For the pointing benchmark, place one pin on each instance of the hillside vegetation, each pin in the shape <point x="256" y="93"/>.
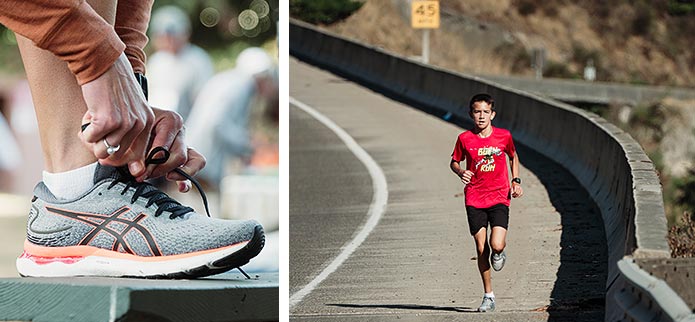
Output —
<point x="632" y="41"/>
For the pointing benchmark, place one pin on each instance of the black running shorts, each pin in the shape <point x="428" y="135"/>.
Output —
<point x="497" y="215"/>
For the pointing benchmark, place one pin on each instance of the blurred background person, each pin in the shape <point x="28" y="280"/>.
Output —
<point x="219" y="124"/>
<point x="178" y="69"/>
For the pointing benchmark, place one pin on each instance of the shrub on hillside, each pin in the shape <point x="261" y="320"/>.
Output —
<point x="681" y="7"/>
<point x="643" y="20"/>
<point x="323" y="11"/>
<point x="686" y="191"/>
<point x="681" y="237"/>
<point x="558" y="70"/>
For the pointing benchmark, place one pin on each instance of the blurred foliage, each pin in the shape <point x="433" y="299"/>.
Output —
<point x="225" y="38"/>
<point x="515" y="53"/>
<point x="556" y="69"/>
<point x="644" y="18"/>
<point x="526" y="7"/>
<point x="649" y="116"/>
<point x="323" y="11"/>
<point x="685" y="196"/>
<point x="681" y="237"/>
<point x="681" y="7"/>
<point x="10" y="61"/>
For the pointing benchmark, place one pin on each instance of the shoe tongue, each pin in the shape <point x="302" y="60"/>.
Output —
<point x="103" y="172"/>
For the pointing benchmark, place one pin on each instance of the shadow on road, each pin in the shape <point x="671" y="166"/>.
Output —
<point x="581" y="278"/>
<point x="408" y="307"/>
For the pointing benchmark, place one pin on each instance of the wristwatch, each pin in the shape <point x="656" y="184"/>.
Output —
<point x="517" y="180"/>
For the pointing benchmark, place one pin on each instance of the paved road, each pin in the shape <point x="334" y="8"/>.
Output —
<point x="418" y="263"/>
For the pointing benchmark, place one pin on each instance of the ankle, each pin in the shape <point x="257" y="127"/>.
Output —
<point x="70" y="184"/>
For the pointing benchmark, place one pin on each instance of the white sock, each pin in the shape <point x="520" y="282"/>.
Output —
<point x="490" y="295"/>
<point x="70" y="184"/>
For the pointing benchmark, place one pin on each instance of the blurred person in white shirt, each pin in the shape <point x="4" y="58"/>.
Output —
<point x="178" y="69"/>
<point x="218" y="126"/>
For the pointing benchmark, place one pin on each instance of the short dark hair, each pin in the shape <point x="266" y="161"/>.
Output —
<point x="482" y="97"/>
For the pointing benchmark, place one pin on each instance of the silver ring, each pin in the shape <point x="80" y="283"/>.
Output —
<point x="111" y="149"/>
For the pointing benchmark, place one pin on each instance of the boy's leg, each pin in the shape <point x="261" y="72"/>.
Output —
<point x="483" y="252"/>
<point x="498" y="239"/>
<point x="499" y="221"/>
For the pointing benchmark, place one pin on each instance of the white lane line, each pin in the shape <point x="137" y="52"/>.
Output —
<point x="376" y="208"/>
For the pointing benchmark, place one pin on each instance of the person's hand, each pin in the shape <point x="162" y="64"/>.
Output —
<point x="118" y="115"/>
<point x="517" y="191"/>
<point x="168" y="132"/>
<point x="466" y="176"/>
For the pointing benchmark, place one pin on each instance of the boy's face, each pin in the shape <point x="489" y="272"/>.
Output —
<point x="482" y="114"/>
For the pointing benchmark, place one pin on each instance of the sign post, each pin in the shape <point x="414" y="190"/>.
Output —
<point x="425" y="15"/>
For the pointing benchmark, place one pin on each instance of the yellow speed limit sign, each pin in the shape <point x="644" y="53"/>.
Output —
<point x="425" y="14"/>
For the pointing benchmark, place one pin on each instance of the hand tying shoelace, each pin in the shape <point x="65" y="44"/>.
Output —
<point x="155" y="196"/>
<point x="152" y="160"/>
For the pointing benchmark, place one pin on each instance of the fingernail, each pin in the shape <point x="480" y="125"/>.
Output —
<point x="135" y="168"/>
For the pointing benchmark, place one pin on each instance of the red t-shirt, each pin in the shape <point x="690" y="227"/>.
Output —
<point x="489" y="185"/>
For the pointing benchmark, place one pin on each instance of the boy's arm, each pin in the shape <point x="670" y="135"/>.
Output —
<point x="465" y="175"/>
<point x="517" y="191"/>
<point x="456" y="167"/>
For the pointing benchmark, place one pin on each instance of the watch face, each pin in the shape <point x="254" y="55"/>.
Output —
<point x="517" y="180"/>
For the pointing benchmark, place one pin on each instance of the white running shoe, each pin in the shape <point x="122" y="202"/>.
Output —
<point x="488" y="304"/>
<point x="498" y="261"/>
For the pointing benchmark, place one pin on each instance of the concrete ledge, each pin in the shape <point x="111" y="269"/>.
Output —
<point x="678" y="273"/>
<point x="607" y="161"/>
<point x="224" y="297"/>
<point x="646" y="298"/>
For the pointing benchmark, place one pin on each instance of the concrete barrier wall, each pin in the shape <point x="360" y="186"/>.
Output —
<point x="607" y="161"/>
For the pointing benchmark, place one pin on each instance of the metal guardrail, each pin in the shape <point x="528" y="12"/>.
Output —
<point x="647" y="298"/>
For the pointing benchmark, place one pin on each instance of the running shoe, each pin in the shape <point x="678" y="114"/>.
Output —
<point x="498" y="261"/>
<point x="124" y="228"/>
<point x="488" y="304"/>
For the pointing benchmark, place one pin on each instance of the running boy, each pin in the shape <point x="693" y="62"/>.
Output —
<point x="488" y="191"/>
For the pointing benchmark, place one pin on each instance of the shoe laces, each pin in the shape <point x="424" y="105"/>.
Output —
<point x="154" y="195"/>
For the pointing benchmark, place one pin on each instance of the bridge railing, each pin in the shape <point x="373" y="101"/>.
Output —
<point x="607" y="161"/>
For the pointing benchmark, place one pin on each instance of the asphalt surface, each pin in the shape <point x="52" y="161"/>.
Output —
<point x="419" y="261"/>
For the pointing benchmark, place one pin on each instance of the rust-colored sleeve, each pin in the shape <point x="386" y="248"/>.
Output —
<point x="132" y="19"/>
<point x="70" y="29"/>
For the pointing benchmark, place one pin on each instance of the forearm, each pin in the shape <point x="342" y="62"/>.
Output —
<point x="132" y="19"/>
<point x="514" y="162"/>
<point x="455" y="167"/>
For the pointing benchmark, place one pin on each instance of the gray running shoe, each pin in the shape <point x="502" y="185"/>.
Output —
<point x="488" y="304"/>
<point x="498" y="261"/>
<point x="124" y="228"/>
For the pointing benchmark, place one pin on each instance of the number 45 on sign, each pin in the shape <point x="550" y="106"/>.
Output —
<point x="425" y="14"/>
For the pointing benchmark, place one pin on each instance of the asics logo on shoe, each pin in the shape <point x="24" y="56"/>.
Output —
<point x="118" y="224"/>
